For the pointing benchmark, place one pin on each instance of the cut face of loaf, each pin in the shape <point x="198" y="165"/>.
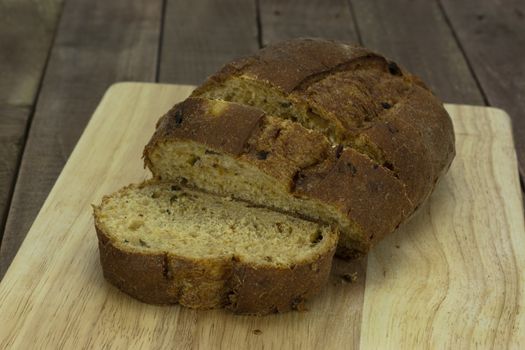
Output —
<point x="318" y="128"/>
<point x="163" y="243"/>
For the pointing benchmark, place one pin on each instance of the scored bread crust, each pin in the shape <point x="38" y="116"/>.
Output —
<point x="288" y="64"/>
<point x="293" y="66"/>
<point x="242" y="287"/>
<point x="414" y="136"/>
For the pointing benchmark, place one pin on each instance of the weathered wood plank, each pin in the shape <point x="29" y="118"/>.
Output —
<point x="12" y="126"/>
<point x="97" y="43"/>
<point x="281" y="20"/>
<point x="416" y="34"/>
<point x="492" y="34"/>
<point x="26" y="32"/>
<point x="199" y="37"/>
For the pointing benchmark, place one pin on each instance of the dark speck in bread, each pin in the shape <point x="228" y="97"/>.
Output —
<point x="262" y="155"/>
<point x="178" y="118"/>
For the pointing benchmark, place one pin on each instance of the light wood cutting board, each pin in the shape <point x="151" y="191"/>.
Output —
<point x="453" y="277"/>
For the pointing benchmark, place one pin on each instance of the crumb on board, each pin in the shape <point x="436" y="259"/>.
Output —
<point x="257" y="331"/>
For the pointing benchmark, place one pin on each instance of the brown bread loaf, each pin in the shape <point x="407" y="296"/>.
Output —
<point x="265" y="168"/>
<point x="314" y="128"/>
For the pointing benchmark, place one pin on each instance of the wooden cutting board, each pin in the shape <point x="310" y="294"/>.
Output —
<point x="453" y="277"/>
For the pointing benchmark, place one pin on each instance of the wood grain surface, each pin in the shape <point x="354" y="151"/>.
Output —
<point x="98" y="43"/>
<point x="13" y="122"/>
<point x="450" y="278"/>
<point x="201" y="36"/>
<point x="283" y="20"/>
<point x="26" y="32"/>
<point x="27" y="29"/>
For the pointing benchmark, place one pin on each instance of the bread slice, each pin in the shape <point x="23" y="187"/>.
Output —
<point x="330" y="131"/>
<point x="163" y="243"/>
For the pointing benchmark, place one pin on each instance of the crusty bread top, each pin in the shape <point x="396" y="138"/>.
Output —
<point x="289" y="64"/>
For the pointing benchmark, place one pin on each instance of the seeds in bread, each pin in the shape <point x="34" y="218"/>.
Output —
<point x="162" y="243"/>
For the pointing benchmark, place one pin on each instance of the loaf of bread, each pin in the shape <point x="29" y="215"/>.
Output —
<point x="265" y="169"/>
<point x="162" y="243"/>
<point x="313" y="128"/>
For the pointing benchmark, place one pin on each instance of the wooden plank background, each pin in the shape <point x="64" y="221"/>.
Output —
<point x="27" y="29"/>
<point x="57" y="57"/>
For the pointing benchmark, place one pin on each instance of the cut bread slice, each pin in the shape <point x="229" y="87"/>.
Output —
<point x="163" y="243"/>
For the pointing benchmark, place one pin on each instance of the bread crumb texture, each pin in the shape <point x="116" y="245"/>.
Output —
<point x="195" y="225"/>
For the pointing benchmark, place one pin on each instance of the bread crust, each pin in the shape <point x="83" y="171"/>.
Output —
<point x="244" y="288"/>
<point x="210" y="124"/>
<point x="288" y="64"/>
